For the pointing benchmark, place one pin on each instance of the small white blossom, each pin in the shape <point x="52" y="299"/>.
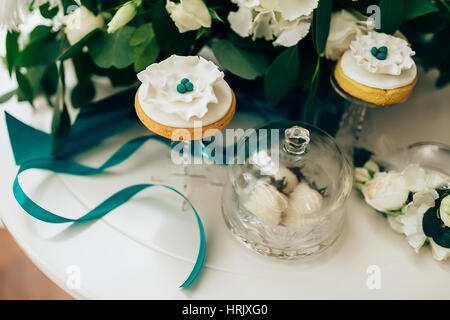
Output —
<point x="189" y="15"/>
<point x="79" y="23"/>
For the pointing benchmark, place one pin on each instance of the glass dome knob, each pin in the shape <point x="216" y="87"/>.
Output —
<point x="296" y="140"/>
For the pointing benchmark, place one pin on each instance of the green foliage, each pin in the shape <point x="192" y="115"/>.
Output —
<point x="282" y="75"/>
<point x="25" y="87"/>
<point x="241" y="62"/>
<point x="321" y="26"/>
<point x="12" y="50"/>
<point x="112" y="50"/>
<point x="146" y="48"/>
<point x="392" y="15"/>
<point x="418" y="8"/>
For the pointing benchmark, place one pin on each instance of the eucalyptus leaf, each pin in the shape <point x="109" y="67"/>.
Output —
<point x="12" y="49"/>
<point x="145" y="54"/>
<point x="392" y="15"/>
<point x="322" y="18"/>
<point x="282" y="75"/>
<point x="143" y="34"/>
<point x="5" y="97"/>
<point x="25" y="86"/>
<point x="418" y="8"/>
<point x="241" y="62"/>
<point x="112" y="50"/>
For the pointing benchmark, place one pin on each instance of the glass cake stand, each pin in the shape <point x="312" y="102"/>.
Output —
<point x="351" y="124"/>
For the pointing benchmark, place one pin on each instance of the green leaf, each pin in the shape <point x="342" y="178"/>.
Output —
<point x="145" y="55"/>
<point x="7" y="96"/>
<point x="143" y="34"/>
<point x="169" y="39"/>
<point x="392" y="14"/>
<point x="418" y="8"/>
<point x="48" y="13"/>
<point x="77" y="47"/>
<point x="92" y="5"/>
<point x="112" y="50"/>
<point x="40" y="38"/>
<point x="12" y="49"/>
<point x="82" y="94"/>
<point x="49" y="81"/>
<point x="243" y="63"/>
<point x="282" y="75"/>
<point x="61" y="120"/>
<point x="25" y="86"/>
<point x="322" y="18"/>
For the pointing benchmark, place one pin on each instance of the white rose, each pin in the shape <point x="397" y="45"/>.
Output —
<point x="386" y="191"/>
<point x="189" y="14"/>
<point x="444" y="210"/>
<point x="266" y="202"/>
<point x="343" y="30"/>
<point x="304" y="203"/>
<point x="80" y="22"/>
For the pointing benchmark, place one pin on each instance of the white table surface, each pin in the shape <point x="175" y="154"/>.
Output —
<point x="146" y="248"/>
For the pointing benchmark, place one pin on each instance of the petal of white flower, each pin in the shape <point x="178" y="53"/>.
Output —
<point x="395" y="224"/>
<point x="439" y="253"/>
<point x="12" y="13"/>
<point x="292" y="9"/>
<point x="241" y="21"/>
<point x="290" y="37"/>
<point x="197" y="9"/>
<point x="412" y="220"/>
<point x="261" y="26"/>
<point x="418" y="179"/>
<point x="247" y="3"/>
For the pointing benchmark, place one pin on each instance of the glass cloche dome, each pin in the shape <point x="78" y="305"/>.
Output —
<point x="288" y="185"/>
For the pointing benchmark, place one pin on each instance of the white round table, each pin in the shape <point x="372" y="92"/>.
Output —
<point x="146" y="248"/>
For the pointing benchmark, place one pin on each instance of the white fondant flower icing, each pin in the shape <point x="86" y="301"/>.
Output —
<point x="160" y="80"/>
<point x="398" y="57"/>
<point x="284" y="21"/>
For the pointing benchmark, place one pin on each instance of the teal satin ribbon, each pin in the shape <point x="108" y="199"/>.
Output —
<point x="116" y="200"/>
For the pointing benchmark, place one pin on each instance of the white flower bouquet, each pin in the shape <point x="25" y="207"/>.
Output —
<point x="288" y="43"/>
<point x="416" y="203"/>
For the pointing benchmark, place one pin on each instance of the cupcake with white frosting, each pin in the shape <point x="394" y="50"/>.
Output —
<point x="378" y="68"/>
<point x="184" y="92"/>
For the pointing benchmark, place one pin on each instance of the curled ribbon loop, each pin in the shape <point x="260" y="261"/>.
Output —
<point x="114" y="201"/>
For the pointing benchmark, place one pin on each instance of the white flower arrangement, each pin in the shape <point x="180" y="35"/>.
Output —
<point x="285" y="22"/>
<point x="416" y="203"/>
